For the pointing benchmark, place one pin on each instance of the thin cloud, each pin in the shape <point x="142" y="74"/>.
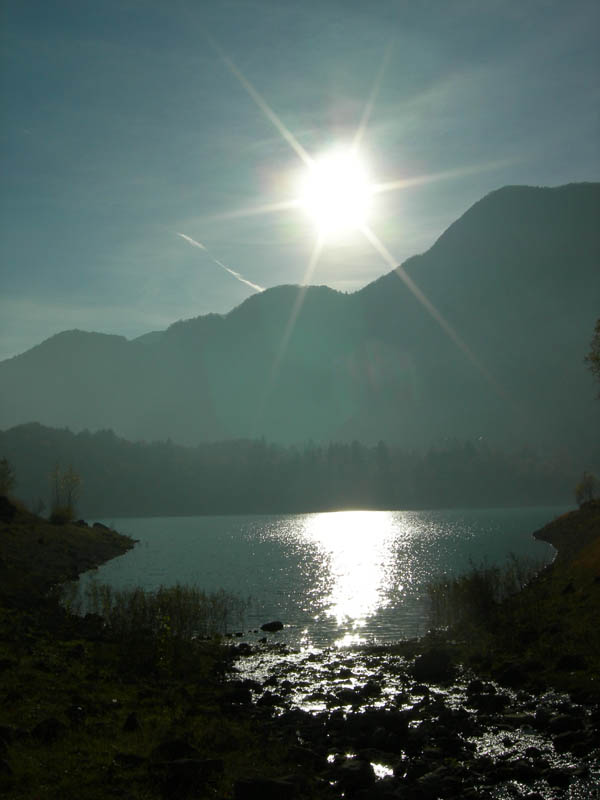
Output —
<point x="216" y="261"/>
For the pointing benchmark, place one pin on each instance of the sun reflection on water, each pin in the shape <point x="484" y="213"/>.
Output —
<point x="356" y="548"/>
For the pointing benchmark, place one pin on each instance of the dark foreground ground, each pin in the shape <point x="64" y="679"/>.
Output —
<point x="508" y="708"/>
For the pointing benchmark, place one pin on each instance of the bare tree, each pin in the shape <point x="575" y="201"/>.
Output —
<point x="66" y="486"/>
<point x="593" y="357"/>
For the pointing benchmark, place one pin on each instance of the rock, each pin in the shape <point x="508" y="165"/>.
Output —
<point x="7" y="733"/>
<point x="441" y="782"/>
<point x="76" y="714"/>
<point x="186" y="777"/>
<point x="270" y="699"/>
<point x="353" y="775"/>
<point x="5" y="768"/>
<point x="348" y="697"/>
<point x="100" y="526"/>
<point x="571" y="662"/>
<point x="518" y="719"/>
<point x="237" y="694"/>
<point x="265" y="789"/>
<point x="565" y="723"/>
<point x="173" y="750"/>
<point x="489" y="703"/>
<point x="370" y="689"/>
<point x="128" y="760"/>
<point x="512" y="675"/>
<point x="477" y="687"/>
<point x="77" y="651"/>
<point x="305" y="757"/>
<point x="434" y="666"/>
<point x="569" y="740"/>
<point x="271" y="627"/>
<point x="523" y="770"/>
<point x="557" y="777"/>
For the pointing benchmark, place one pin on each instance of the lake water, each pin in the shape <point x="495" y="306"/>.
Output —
<point x="344" y="577"/>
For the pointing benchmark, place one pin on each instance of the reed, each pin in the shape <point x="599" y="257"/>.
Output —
<point x="165" y="628"/>
<point x="475" y="597"/>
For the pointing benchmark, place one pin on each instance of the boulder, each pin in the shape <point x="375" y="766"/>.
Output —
<point x="271" y="627"/>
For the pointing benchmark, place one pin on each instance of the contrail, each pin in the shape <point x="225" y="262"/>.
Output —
<point x="235" y="274"/>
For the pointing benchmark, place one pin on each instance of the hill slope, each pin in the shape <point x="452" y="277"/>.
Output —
<point x="516" y="277"/>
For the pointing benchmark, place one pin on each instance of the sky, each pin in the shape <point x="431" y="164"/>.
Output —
<point x="151" y="151"/>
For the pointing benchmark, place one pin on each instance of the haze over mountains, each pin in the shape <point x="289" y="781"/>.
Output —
<point x="517" y="277"/>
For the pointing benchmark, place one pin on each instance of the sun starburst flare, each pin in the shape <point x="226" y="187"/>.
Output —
<point x="336" y="192"/>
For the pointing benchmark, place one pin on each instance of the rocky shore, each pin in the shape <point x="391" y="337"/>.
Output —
<point x="399" y="724"/>
<point x="504" y="713"/>
<point x="510" y="712"/>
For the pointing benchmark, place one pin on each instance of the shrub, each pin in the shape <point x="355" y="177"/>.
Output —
<point x="61" y="515"/>
<point x="66" y="485"/>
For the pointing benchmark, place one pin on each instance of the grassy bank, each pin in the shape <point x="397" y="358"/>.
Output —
<point x="36" y="555"/>
<point x="539" y="631"/>
<point x="132" y="709"/>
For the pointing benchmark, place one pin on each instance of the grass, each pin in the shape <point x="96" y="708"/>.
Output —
<point x="475" y="598"/>
<point x="35" y="555"/>
<point x="543" y="628"/>
<point x="88" y="705"/>
<point x="79" y="681"/>
<point x="162" y="629"/>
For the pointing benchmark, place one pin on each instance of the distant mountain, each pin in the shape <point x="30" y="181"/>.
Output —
<point x="517" y="278"/>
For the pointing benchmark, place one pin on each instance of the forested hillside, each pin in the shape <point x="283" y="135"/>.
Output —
<point x="120" y="478"/>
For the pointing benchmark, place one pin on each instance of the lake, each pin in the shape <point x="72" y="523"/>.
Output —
<point x="343" y="578"/>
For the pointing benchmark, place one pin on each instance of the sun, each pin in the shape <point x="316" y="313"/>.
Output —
<point x="336" y="192"/>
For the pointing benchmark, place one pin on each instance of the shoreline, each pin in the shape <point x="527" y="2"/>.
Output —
<point x="84" y="709"/>
<point x="35" y="555"/>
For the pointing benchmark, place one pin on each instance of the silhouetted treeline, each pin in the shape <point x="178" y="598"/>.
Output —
<point x="121" y="478"/>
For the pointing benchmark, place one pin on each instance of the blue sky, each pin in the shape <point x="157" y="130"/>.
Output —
<point x="124" y="126"/>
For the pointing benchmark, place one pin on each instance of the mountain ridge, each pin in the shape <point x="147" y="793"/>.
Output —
<point x="516" y="277"/>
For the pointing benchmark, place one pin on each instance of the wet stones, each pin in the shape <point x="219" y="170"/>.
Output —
<point x="425" y="738"/>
